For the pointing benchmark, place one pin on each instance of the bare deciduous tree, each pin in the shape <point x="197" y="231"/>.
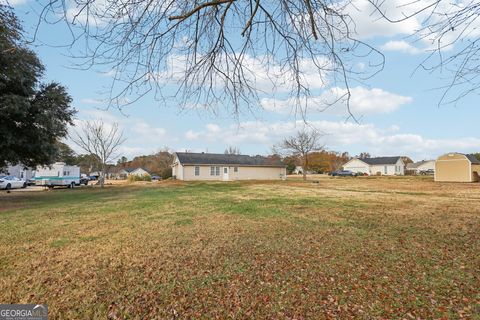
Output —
<point x="450" y="32"/>
<point x="301" y="145"/>
<point x="100" y="140"/>
<point x="220" y="53"/>
<point x="232" y="150"/>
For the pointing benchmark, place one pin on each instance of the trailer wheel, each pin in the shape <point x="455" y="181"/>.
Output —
<point x="8" y="187"/>
<point x="24" y="185"/>
<point x="72" y="185"/>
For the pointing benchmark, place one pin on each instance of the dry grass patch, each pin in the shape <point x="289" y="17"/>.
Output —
<point x="342" y="248"/>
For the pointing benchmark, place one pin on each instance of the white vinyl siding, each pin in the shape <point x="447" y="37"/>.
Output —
<point x="244" y="173"/>
<point x="357" y="165"/>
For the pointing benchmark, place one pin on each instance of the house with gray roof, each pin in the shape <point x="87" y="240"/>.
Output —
<point x="124" y="173"/>
<point x="385" y="166"/>
<point x="191" y="166"/>
<point x="421" y="166"/>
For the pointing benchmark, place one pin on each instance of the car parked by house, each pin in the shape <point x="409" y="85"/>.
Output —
<point x="428" y="172"/>
<point x="343" y="173"/>
<point x="12" y="182"/>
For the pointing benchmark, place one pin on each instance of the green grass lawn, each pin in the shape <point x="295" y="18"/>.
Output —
<point x="340" y="248"/>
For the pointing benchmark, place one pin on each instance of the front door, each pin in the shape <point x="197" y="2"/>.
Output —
<point x="225" y="173"/>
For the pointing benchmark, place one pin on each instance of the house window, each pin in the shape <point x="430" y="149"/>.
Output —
<point x="217" y="171"/>
<point x="385" y="169"/>
<point x="235" y="169"/>
<point x="225" y="170"/>
<point x="212" y="171"/>
<point x="197" y="170"/>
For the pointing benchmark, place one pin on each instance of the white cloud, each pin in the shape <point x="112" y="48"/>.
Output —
<point x="213" y="128"/>
<point x="369" y="23"/>
<point x="93" y="101"/>
<point x="363" y="101"/>
<point x="401" y="46"/>
<point x="423" y="19"/>
<point x="262" y="72"/>
<point x="192" y="135"/>
<point x="91" y="13"/>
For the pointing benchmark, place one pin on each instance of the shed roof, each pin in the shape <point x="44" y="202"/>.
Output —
<point x="471" y="157"/>
<point x="227" y="159"/>
<point x="380" y="160"/>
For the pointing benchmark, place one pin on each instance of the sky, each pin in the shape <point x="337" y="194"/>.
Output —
<point x="398" y="109"/>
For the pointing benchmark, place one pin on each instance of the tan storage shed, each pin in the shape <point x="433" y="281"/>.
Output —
<point x="457" y="167"/>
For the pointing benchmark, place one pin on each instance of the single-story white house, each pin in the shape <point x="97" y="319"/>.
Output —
<point x="226" y="167"/>
<point x="299" y="170"/>
<point x="387" y="166"/>
<point x="19" y="171"/>
<point x="138" y="172"/>
<point x="125" y="172"/>
<point x="420" y="166"/>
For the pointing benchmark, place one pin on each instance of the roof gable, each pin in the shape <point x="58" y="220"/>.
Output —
<point x="226" y="159"/>
<point x="353" y="159"/>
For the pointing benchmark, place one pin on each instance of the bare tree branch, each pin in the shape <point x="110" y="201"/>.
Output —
<point x="216" y="54"/>
<point x="450" y="32"/>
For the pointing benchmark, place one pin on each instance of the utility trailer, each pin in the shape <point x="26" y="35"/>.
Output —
<point x="57" y="174"/>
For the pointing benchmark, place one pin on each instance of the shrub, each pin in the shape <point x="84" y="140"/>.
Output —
<point x="167" y="173"/>
<point x="145" y="177"/>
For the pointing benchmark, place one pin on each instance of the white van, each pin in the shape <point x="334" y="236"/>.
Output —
<point x="58" y="174"/>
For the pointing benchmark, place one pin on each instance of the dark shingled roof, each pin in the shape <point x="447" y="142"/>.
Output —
<point x="417" y="164"/>
<point x="472" y="158"/>
<point x="227" y="159"/>
<point x="380" y="160"/>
